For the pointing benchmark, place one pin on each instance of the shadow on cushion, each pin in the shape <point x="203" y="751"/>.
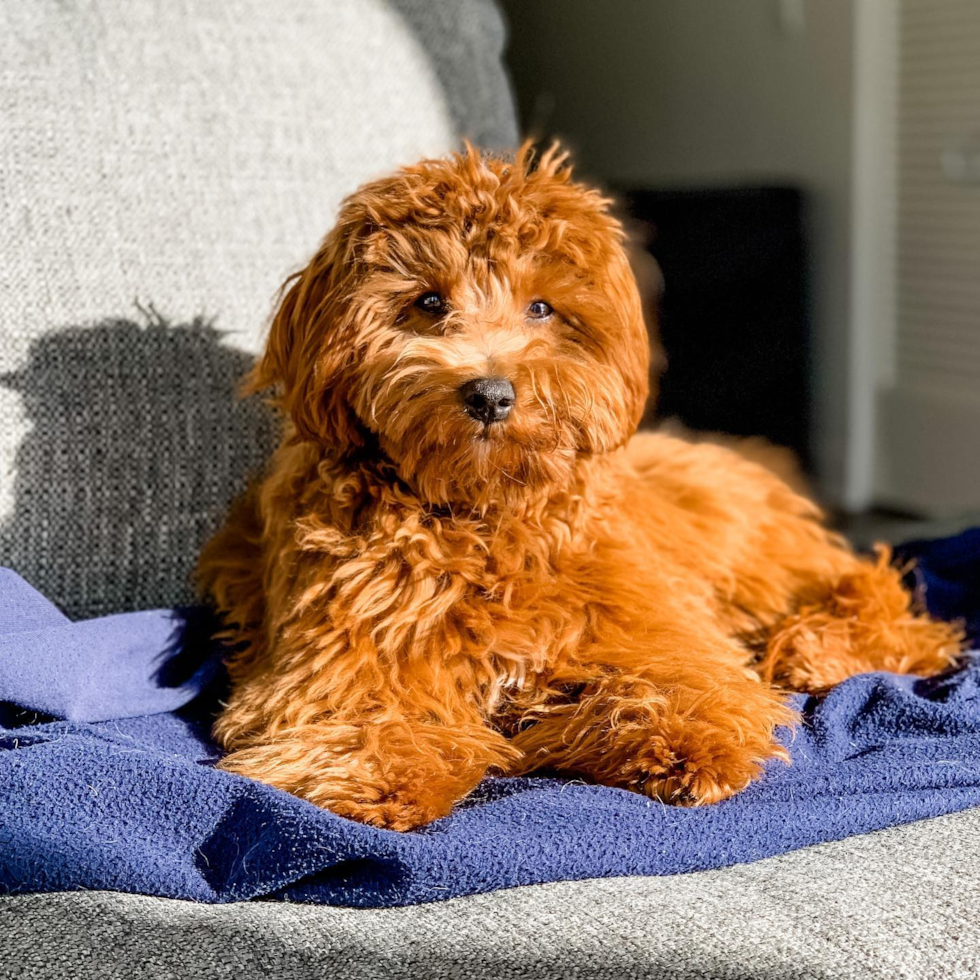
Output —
<point x="138" y="443"/>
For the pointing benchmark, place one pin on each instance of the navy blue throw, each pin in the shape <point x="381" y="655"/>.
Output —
<point x="107" y="777"/>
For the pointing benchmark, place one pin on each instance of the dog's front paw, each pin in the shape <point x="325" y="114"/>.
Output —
<point x="705" y="765"/>
<point x="704" y="759"/>
<point x="411" y="803"/>
<point x="399" y="811"/>
<point x="414" y="800"/>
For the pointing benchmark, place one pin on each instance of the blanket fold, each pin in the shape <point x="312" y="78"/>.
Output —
<point x="118" y="791"/>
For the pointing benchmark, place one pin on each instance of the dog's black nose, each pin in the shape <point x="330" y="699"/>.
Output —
<point x="488" y="399"/>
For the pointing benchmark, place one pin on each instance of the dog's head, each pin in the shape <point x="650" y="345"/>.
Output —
<point x="476" y="318"/>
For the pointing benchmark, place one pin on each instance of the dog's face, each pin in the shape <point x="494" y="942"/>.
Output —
<point x="477" y="318"/>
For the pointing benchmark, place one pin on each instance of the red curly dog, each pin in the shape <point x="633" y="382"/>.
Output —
<point x="462" y="559"/>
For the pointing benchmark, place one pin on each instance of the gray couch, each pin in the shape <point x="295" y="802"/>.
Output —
<point x="164" y="164"/>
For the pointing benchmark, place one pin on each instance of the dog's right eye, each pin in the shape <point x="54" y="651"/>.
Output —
<point x="431" y="303"/>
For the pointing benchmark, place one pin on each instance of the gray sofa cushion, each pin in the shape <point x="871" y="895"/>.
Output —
<point x="164" y="166"/>
<point x="900" y="903"/>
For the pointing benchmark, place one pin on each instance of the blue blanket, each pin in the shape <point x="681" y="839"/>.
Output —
<point x="107" y="778"/>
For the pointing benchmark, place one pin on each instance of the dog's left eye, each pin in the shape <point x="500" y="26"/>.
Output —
<point x="539" y="310"/>
<point x="431" y="303"/>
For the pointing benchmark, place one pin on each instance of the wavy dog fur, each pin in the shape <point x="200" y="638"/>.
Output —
<point x="419" y="597"/>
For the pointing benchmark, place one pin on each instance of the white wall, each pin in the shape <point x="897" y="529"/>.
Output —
<point x="694" y="92"/>
<point x="928" y="411"/>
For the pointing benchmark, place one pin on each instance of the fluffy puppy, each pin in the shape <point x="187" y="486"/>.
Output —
<point x="462" y="559"/>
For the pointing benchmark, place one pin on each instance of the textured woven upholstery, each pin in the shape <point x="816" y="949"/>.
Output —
<point x="164" y="164"/>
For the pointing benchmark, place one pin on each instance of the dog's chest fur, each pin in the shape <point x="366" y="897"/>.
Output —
<point x="502" y="600"/>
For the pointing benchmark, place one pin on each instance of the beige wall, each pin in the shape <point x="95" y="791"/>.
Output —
<point x="693" y="92"/>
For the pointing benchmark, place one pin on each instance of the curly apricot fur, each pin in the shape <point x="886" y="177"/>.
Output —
<point x="418" y="598"/>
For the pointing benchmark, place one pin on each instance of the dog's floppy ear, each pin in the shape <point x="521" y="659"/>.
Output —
<point x="308" y="351"/>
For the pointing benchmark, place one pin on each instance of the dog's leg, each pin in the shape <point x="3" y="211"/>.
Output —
<point x="690" y="727"/>
<point x="393" y="774"/>
<point x="391" y="746"/>
<point x="859" y="621"/>
<point x="813" y="611"/>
